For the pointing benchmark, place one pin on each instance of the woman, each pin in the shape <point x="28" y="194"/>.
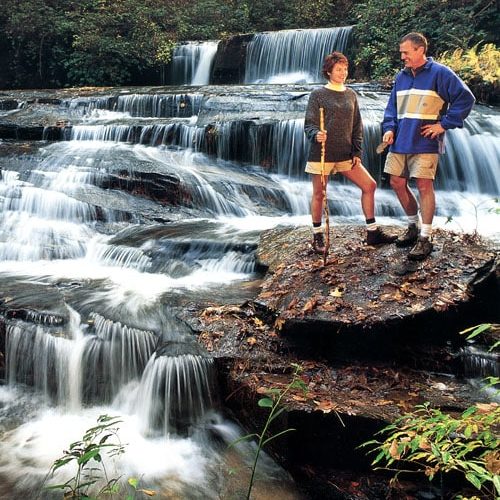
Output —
<point x="342" y="136"/>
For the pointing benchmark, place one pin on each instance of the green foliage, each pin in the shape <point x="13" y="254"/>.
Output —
<point x="476" y="66"/>
<point x="475" y="331"/>
<point x="435" y="442"/>
<point x="273" y="401"/>
<point x="448" y="23"/>
<point x="87" y="453"/>
<point x="112" y="42"/>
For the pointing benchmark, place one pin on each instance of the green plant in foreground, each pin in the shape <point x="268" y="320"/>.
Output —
<point x="477" y="330"/>
<point x="477" y="207"/>
<point x="87" y="453"/>
<point x="435" y="442"/>
<point x="273" y="401"/>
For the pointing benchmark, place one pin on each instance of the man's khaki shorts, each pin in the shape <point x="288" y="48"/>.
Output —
<point x="420" y="166"/>
<point x="314" y="167"/>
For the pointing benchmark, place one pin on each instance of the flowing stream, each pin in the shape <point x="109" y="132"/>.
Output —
<point x="99" y="272"/>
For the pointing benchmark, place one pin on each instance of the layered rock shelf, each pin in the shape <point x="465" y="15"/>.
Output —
<point x="373" y="335"/>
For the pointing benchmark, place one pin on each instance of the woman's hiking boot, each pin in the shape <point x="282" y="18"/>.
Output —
<point x="379" y="237"/>
<point x="318" y="243"/>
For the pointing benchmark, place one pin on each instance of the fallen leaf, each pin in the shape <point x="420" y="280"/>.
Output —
<point x="278" y="324"/>
<point x="149" y="493"/>
<point x="325" y="406"/>
<point x="336" y="292"/>
<point x="486" y="407"/>
<point x="310" y="305"/>
<point x="492" y="462"/>
<point x="258" y="323"/>
<point x="393" y="450"/>
<point x="418" y="292"/>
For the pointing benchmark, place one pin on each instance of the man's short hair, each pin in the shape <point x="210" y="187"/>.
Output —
<point x="331" y="60"/>
<point x="417" y="39"/>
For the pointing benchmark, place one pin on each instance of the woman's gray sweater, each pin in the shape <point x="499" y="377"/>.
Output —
<point x="342" y="123"/>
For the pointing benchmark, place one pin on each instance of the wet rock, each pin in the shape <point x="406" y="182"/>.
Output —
<point x="32" y="302"/>
<point x="373" y="300"/>
<point x="370" y="344"/>
<point x="229" y="63"/>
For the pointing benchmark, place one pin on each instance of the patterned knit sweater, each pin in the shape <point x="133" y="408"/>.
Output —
<point x="342" y="123"/>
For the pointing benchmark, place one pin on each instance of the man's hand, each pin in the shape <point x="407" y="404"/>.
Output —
<point x="321" y="136"/>
<point x="388" y="137"/>
<point x="432" y="131"/>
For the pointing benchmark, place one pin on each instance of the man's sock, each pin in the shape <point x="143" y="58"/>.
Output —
<point x="413" y="220"/>
<point x="426" y="230"/>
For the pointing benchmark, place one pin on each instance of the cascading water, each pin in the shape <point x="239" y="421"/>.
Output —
<point x="292" y="56"/>
<point x="191" y="63"/>
<point x="152" y="202"/>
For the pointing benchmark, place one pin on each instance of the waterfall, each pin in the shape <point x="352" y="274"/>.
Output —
<point x="176" y="390"/>
<point x="292" y="56"/>
<point x="178" y="105"/>
<point x="191" y="63"/>
<point x="148" y="206"/>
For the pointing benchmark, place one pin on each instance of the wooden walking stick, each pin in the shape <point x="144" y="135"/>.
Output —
<point x="323" y="185"/>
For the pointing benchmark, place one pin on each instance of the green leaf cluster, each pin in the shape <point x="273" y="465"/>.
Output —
<point x="477" y="66"/>
<point x="436" y="442"/>
<point x="55" y="43"/>
<point x="455" y="24"/>
<point x="86" y="454"/>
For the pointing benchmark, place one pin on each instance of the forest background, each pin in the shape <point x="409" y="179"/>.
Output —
<point x="67" y="43"/>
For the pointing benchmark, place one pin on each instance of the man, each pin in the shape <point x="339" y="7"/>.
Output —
<point x="427" y="99"/>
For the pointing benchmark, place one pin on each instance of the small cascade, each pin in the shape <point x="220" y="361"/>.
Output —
<point x="479" y="363"/>
<point x="292" y="56"/>
<point x="113" y="354"/>
<point x="191" y="63"/>
<point x="472" y="155"/>
<point x="38" y="358"/>
<point x="180" y="105"/>
<point x="176" y="389"/>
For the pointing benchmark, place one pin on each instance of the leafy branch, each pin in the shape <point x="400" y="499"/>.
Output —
<point x="87" y="452"/>
<point x="273" y="401"/>
<point x="434" y="442"/>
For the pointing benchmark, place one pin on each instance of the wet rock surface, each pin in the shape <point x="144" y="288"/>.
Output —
<point x="371" y="343"/>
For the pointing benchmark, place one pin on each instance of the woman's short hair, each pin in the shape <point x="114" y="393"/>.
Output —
<point x="331" y="60"/>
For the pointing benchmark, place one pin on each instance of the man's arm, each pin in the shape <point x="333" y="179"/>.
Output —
<point x="459" y="97"/>
<point x="390" y="120"/>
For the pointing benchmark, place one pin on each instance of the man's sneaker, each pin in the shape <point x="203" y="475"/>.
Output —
<point x="421" y="250"/>
<point x="318" y="243"/>
<point x="379" y="237"/>
<point x="409" y="237"/>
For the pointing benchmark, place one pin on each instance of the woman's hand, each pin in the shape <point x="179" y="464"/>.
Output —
<point x="321" y="136"/>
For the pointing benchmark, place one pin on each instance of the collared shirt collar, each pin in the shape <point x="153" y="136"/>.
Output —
<point x="426" y="65"/>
